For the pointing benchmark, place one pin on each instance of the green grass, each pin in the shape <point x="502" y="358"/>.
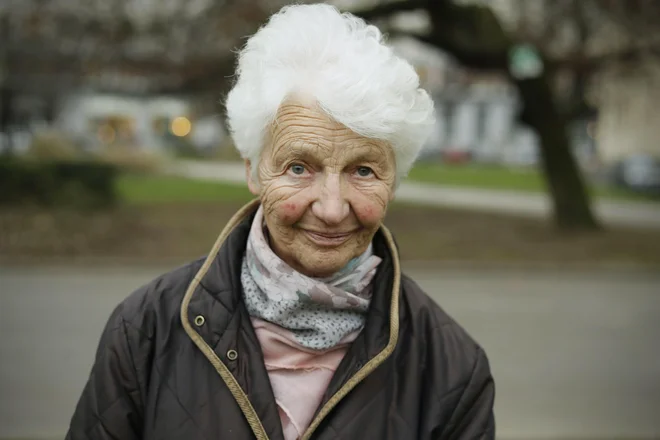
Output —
<point x="501" y="178"/>
<point x="167" y="189"/>
<point x="478" y="176"/>
<point x="148" y="189"/>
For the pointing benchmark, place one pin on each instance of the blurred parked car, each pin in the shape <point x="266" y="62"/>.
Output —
<point x="639" y="173"/>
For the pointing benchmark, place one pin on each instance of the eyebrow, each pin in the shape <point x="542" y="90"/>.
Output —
<point x="304" y="149"/>
<point x="369" y="153"/>
<point x="298" y="149"/>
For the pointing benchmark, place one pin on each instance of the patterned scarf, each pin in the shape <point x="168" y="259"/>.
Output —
<point x="320" y="312"/>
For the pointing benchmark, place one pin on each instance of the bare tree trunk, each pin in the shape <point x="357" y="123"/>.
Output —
<point x="563" y="178"/>
<point x="5" y="119"/>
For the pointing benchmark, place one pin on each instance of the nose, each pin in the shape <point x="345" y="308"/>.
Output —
<point x="331" y="206"/>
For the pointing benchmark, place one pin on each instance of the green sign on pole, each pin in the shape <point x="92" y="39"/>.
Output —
<point x="525" y="62"/>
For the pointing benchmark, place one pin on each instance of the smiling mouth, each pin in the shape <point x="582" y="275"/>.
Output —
<point x="328" y="239"/>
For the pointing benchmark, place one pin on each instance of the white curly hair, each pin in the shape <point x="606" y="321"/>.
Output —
<point x="341" y="63"/>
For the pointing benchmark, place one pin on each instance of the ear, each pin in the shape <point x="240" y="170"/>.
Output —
<point x="252" y="185"/>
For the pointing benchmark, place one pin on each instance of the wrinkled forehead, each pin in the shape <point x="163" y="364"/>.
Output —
<point x="301" y="128"/>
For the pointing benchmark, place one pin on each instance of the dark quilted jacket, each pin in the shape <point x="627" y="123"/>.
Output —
<point x="179" y="359"/>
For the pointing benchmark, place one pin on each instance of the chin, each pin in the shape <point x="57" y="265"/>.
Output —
<point x="323" y="266"/>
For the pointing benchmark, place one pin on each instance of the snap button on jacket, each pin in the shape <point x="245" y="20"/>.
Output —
<point x="163" y="373"/>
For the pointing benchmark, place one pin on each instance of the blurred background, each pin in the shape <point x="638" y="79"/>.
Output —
<point x="532" y="216"/>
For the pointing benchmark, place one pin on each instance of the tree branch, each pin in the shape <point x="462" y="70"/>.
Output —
<point x="387" y="9"/>
<point x="579" y="62"/>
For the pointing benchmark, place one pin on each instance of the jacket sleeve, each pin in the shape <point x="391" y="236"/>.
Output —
<point x="110" y="406"/>
<point x="473" y="417"/>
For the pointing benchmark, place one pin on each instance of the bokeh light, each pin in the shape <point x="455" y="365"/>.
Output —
<point x="181" y="126"/>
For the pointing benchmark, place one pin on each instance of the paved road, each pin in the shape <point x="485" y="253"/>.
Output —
<point x="575" y="355"/>
<point x="532" y="205"/>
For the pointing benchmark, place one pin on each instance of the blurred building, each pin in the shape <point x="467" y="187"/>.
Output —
<point x="105" y="119"/>
<point x="628" y="119"/>
<point x="476" y="112"/>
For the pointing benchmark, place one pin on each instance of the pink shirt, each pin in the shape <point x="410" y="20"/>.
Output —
<point x="298" y="375"/>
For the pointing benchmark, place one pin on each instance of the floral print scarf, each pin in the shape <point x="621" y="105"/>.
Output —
<point x="319" y="312"/>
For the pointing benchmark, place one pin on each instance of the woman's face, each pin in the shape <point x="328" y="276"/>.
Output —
<point x="324" y="189"/>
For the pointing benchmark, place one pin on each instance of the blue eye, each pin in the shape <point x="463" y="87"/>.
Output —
<point x="364" y="171"/>
<point x="297" y="169"/>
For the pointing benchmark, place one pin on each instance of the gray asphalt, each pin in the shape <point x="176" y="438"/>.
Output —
<point x="574" y="355"/>
<point x="533" y="205"/>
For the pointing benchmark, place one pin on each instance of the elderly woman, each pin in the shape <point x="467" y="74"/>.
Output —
<point x="299" y="324"/>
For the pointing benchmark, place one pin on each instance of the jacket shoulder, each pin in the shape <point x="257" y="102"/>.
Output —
<point x="442" y="337"/>
<point x="113" y="401"/>
<point x="159" y="298"/>
<point x="454" y="370"/>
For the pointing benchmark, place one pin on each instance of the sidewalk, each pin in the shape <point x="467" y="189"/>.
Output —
<point x="632" y="214"/>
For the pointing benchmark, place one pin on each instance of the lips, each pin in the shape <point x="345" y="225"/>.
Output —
<point x="328" y="239"/>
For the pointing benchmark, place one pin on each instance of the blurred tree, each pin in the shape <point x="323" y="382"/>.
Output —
<point x="137" y="47"/>
<point x="581" y="38"/>
<point x="534" y="44"/>
<point x="142" y="46"/>
<point x="5" y="91"/>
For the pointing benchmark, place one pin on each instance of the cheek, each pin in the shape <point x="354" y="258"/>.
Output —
<point x="369" y="212"/>
<point x="290" y="212"/>
<point x="370" y="206"/>
<point x="283" y="204"/>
